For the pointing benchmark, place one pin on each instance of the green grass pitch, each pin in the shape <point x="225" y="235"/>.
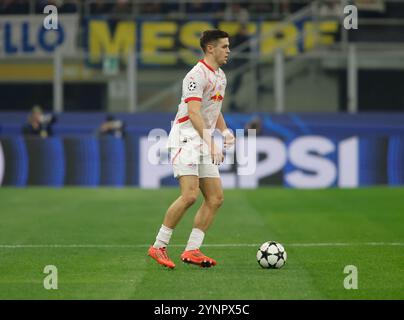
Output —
<point x="98" y="239"/>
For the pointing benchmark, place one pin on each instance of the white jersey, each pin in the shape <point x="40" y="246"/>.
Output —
<point x="203" y="84"/>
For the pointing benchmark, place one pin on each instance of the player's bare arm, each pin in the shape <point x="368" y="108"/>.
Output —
<point x="221" y="123"/>
<point x="226" y="133"/>
<point x="194" y="108"/>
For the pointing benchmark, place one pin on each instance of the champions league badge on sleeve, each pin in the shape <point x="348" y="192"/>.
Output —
<point x="192" y="86"/>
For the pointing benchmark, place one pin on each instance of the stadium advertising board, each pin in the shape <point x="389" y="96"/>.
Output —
<point x="308" y="161"/>
<point x="157" y="41"/>
<point x="294" y="151"/>
<point x="25" y="36"/>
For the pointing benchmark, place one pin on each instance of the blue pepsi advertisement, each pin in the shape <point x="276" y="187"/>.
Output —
<point x="313" y="150"/>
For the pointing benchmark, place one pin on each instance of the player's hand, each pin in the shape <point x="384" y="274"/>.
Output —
<point x="216" y="154"/>
<point x="228" y="139"/>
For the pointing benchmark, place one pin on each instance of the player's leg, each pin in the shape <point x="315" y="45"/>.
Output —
<point x="212" y="190"/>
<point x="213" y="198"/>
<point x="189" y="186"/>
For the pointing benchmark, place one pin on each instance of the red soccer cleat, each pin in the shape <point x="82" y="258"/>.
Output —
<point x="198" y="258"/>
<point x="161" y="256"/>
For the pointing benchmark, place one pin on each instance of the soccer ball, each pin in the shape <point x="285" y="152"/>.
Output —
<point x="271" y="255"/>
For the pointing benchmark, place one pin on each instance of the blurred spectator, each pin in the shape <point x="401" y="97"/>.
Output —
<point x="122" y="7"/>
<point x="276" y="9"/>
<point x="153" y="8"/>
<point x="240" y="38"/>
<point x="290" y="6"/>
<point x="373" y="9"/>
<point x="100" y="7"/>
<point x="261" y="9"/>
<point x="330" y="8"/>
<point x="174" y="8"/>
<point x="39" y="124"/>
<point x="394" y="9"/>
<point x="217" y="8"/>
<point x="256" y="124"/>
<point x="6" y="6"/>
<point x="14" y="7"/>
<point x="236" y="12"/>
<point x="285" y="7"/>
<point x="63" y="6"/>
<point x="170" y="6"/>
<point x="198" y="6"/>
<point x="112" y="126"/>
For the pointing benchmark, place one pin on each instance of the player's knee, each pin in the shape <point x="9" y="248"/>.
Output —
<point x="216" y="201"/>
<point x="189" y="198"/>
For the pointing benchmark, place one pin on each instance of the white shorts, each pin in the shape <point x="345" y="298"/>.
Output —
<point x="188" y="161"/>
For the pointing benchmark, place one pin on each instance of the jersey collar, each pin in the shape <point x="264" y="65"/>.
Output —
<point x="207" y="66"/>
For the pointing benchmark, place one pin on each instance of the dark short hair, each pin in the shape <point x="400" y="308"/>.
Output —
<point x="210" y="36"/>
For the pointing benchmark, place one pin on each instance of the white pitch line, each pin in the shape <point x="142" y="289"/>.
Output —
<point x="220" y="245"/>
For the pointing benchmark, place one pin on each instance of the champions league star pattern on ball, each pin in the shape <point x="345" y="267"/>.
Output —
<point x="271" y="255"/>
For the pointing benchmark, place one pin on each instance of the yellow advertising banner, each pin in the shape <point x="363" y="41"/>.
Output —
<point x="171" y="42"/>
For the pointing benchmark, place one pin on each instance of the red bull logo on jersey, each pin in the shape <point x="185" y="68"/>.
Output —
<point x="217" y="97"/>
